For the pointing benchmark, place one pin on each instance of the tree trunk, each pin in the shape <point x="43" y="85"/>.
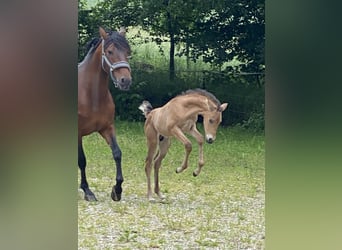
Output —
<point x="172" y="47"/>
<point x="187" y="52"/>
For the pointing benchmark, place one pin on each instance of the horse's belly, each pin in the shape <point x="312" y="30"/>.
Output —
<point x="93" y="123"/>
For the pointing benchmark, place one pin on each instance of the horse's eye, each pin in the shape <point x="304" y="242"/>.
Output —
<point x="211" y="121"/>
<point x="110" y="52"/>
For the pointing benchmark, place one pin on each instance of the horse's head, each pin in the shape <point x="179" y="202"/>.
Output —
<point x="115" y="53"/>
<point x="211" y="121"/>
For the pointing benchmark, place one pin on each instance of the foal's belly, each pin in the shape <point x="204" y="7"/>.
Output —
<point x="164" y="127"/>
<point x="187" y="125"/>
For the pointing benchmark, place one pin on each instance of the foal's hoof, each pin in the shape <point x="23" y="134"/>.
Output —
<point x="90" y="197"/>
<point x="116" y="193"/>
<point x="194" y="174"/>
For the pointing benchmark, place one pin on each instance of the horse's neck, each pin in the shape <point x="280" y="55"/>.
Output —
<point x="98" y="78"/>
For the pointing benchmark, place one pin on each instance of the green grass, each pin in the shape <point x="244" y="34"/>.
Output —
<point x="222" y="208"/>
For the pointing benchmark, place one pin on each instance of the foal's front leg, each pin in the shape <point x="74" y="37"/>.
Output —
<point x="177" y="132"/>
<point x="199" y="138"/>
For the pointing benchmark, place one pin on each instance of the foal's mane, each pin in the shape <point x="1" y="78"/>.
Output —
<point x="119" y="41"/>
<point x="203" y="93"/>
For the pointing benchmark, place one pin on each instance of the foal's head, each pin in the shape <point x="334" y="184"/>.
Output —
<point x="211" y="121"/>
<point x="116" y="52"/>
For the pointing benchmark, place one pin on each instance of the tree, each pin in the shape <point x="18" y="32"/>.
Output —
<point x="216" y="31"/>
<point x="230" y="29"/>
<point x="84" y="27"/>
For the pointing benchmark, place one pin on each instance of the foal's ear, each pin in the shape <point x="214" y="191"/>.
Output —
<point x="103" y="33"/>
<point x="223" y="107"/>
<point x="122" y="31"/>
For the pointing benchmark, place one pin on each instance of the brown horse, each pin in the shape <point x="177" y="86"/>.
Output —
<point x="177" y="116"/>
<point x="107" y="56"/>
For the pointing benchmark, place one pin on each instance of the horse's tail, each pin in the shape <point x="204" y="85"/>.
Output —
<point x="146" y="108"/>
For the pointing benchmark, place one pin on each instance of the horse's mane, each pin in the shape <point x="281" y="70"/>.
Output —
<point x="93" y="44"/>
<point x="119" y="41"/>
<point x="203" y="93"/>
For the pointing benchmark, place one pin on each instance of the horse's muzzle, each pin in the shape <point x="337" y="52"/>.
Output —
<point x="124" y="83"/>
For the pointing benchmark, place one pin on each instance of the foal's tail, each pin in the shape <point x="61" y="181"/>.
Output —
<point x="146" y="108"/>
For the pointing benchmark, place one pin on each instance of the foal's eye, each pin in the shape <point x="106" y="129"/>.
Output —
<point x="211" y="121"/>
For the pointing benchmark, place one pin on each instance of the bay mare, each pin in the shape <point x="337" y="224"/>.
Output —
<point x="175" y="118"/>
<point x="106" y="58"/>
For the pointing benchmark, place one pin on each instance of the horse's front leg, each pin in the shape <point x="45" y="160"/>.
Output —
<point x="110" y="137"/>
<point x="88" y="194"/>
<point x="199" y="138"/>
<point x="177" y="132"/>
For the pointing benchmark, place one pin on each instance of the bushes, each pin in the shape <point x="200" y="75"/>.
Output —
<point x="152" y="86"/>
<point x="245" y="97"/>
<point x="256" y="120"/>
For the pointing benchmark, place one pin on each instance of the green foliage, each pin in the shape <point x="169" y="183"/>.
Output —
<point x="127" y="106"/>
<point x="245" y="98"/>
<point x="216" y="41"/>
<point x="218" y="31"/>
<point x="255" y="121"/>
<point x="156" y="87"/>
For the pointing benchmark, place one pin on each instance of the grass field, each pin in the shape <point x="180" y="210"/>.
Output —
<point x="222" y="208"/>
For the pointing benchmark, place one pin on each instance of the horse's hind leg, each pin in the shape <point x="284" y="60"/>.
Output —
<point x="164" y="144"/>
<point x="199" y="138"/>
<point x="88" y="194"/>
<point x="108" y="135"/>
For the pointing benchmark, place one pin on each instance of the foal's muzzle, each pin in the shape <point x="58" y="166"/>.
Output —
<point x="209" y="138"/>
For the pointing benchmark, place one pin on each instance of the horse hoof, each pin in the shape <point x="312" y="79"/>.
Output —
<point x="194" y="174"/>
<point x="90" y="197"/>
<point x="116" y="193"/>
<point x="116" y="197"/>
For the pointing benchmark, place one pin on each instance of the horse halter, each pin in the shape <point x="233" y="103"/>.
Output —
<point x="113" y="66"/>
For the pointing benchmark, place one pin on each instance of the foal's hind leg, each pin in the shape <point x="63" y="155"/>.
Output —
<point x="88" y="194"/>
<point x="164" y="144"/>
<point x="109" y="136"/>
<point x="151" y="137"/>
<point x="199" y="138"/>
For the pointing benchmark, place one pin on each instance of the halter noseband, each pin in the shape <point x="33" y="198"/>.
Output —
<point x="113" y="66"/>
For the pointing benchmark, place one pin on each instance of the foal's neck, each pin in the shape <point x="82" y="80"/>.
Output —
<point x="200" y="104"/>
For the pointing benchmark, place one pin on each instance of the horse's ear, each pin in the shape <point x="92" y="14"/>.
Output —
<point x="223" y="107"/>
<point x="103" y="33"/>
<point x="122" y="31"/>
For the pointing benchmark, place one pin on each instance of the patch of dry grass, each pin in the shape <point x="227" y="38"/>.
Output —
<point x="222" y="208"/>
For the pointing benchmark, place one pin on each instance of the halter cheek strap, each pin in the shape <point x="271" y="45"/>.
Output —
<point x="113" y="66"/>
